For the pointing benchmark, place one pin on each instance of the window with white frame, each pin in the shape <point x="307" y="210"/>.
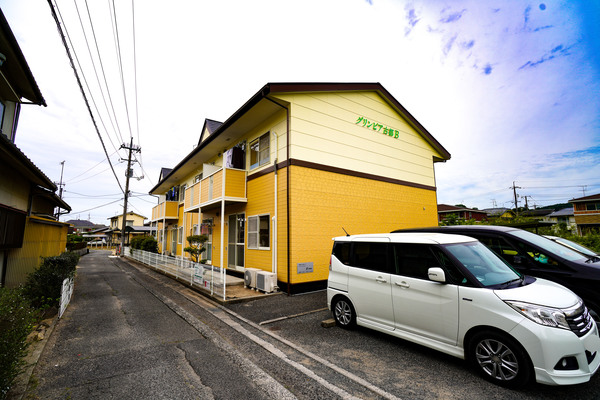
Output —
<point x="259" y="151"/>
<point x="259" y="232"/>
<point x="182" y="192"/>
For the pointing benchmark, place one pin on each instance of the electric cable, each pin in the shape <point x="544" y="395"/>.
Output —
<point x="86" y="81"/>
<point x="112" y="106"/>
<point x="62" y="36"/>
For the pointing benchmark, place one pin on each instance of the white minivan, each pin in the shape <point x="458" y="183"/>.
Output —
<point x="453" y="294"/>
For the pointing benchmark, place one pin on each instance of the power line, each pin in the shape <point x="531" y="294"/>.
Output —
<point x="118" y="50"/>
<point x="62" y="36"/>
<point x="95" y="208"/>
<point x="112" y="106"/>
<point x="85" y="80"/>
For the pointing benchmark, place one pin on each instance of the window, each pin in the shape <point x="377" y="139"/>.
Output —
<point x="182" y="192"/>
<point x="259" y="151"/>
<point x="258" y="232"/>
<point x="2" y="117"/>
<point x="341" y="250"/>
<point x="371" y="256"/>
<point x="198" y="178"/>
<point x="129" y="222"/>
<point x="592" y="206"/>
<point x="180" y="235"/>
<point x="413" y="260"/>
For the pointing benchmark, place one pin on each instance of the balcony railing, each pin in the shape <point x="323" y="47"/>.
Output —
<point x="210" y="189"/>
<point x="165" y="210"/>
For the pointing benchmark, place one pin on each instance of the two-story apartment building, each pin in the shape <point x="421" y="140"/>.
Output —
<point x="586" y="211"/>
<point x="134" y="226"/>
<point x="28" y="226"/>
<point x="298" y="164"/>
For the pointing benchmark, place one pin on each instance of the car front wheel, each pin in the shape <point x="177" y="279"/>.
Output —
<point x="500" y="359"/>
<point x="343" y="313"/>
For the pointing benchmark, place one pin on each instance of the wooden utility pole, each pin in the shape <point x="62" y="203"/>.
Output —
<point x="514" y="188"/>
<point x="128" y="174"/>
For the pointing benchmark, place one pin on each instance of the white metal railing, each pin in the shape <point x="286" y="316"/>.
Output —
<point x="65" y="296"/>
<point x="206" y="277"/>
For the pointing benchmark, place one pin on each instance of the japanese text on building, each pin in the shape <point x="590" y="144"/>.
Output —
<point x="377" y="127"/>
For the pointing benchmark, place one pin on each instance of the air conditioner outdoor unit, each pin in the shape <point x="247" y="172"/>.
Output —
<point x="250" y="277"/>
<point x="266" y="281"/>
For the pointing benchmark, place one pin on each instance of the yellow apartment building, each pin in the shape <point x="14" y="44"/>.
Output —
<point x="295" y="166"/>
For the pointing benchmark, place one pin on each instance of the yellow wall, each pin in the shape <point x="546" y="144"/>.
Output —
<point x="42" y="239"/>
<point x="260" y="201"/>
<point x="324" y="202"/>
<point x="324" y="130"/>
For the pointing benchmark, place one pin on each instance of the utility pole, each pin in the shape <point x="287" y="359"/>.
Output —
<point x="514" y="188"/>
<point x="128" y="174"/>
<point x="60" y="185"/>
<point x="60" y="188"/>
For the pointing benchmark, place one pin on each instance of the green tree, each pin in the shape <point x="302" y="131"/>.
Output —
<point x="196" y="246"/>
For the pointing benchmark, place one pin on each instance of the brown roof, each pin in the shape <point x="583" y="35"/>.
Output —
<point x="273" y="88"/>
<point x="586" y="198"/>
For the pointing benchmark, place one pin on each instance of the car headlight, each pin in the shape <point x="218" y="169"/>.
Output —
<point x="547" y="316"/>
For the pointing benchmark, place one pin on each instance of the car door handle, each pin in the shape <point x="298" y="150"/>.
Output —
<point x="380" y="280"/>
<point x="402" y="284"/>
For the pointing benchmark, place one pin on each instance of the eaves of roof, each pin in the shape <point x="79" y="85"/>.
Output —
<point x="585" y="198"/>
<point x="16" y="69"/>
<point x="13" y="156"/>
<point x="274" y="88"/>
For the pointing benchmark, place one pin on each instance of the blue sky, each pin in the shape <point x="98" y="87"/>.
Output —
<point x="510" y="88"/>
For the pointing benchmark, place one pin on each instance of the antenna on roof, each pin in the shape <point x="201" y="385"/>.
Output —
<point x="347" y="234"/>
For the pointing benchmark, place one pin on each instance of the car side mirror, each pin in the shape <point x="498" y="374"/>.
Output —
<point x="436" y="274"/>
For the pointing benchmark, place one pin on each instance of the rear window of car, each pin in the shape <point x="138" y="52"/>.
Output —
<point x="341" y="250"/>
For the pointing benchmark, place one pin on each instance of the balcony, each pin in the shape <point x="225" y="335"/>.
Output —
<point x="165" y="210"/>
<point x="225" y="184"/>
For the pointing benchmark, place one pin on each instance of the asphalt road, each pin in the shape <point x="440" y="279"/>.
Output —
<point x="131" y="333"/>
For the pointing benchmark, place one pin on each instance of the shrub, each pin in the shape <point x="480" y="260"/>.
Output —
<point x="16" y="322"/>
<point x="136" y="242"/>
<point x="150" y="244"/>
<point x="146" y="243"/>
<point x="43" y="286"/>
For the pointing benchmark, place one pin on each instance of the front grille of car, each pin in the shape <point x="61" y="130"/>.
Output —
<point x="580" y="320"/>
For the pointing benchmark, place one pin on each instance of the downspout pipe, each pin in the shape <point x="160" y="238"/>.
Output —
<point x="287" y="163"/>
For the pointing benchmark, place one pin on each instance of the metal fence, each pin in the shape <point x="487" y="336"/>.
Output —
<point x="206" y="277"/>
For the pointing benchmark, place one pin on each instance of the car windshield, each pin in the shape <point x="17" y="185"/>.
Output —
<point x="547" y="245"/>
<point x="576" y="246"/>
<point x="486" y="267"/>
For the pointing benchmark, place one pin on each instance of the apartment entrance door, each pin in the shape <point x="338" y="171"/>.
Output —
<point x="235" y="249"/>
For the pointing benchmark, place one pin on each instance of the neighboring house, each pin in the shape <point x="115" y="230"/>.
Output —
<point x="587" y="213"/>
<point x="499" y="213"/>
<point x="445" y="210"/>
<point x="102" y="235"/>
<point x="28" y="226"/>
<point x="564" y="216"/>
<point x="80" y="227"/>
<point x="298" y="164"/>
<point x="536" y="213"/>
<point x="134" y="226"/>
